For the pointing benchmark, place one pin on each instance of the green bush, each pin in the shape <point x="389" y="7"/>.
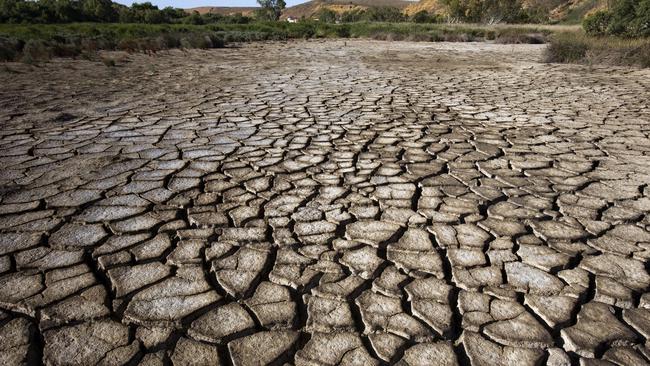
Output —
<point x="36" y="50"/>
<point x="103" y="11"/>
<point x="217" y="40"/>
<point x="492" y="11"/>
<point x="301" y="30"/>
<point x="85" y="38"/>
<point x="597" y="23"/>
<point x="384" y="14"/>
<point x="628" y="18"/>
<point x="326" y="15"/>
<point x="421" y="17"/>
<point x="425" y="17"/>
<point x="10" y="48"/>
<point x="641" y="24"/>
<point x="343" y="31"/>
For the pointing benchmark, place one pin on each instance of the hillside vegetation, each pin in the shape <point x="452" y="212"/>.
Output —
<point x="564" y="11"/>
<point x="34" y="30"/>
<point x="580" y="48"/>
<point x="626" y="18"/>
<point x="553" y="11"/>
<point x="223" y="10"/>
<point x="573" y="11"/>
<point x="311" y="9"/>
<point x="430" y="6"/>
<point x="616" y="35"/>
<point x="30" y="43"/>
<point x="484" y="11"/>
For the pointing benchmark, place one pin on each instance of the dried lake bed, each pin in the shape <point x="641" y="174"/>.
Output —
<point x="325" y="202"/>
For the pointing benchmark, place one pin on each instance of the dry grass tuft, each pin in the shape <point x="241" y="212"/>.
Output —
<point x="577" y="47"/>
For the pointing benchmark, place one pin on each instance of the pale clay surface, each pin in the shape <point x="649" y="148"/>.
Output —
<point x="323" y="203"/>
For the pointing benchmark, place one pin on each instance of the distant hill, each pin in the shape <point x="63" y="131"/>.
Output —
<point x="558" y="10"/>
<point x="431" y="6"/>
<point x="575" y="10"/>
<point x="571" y="11"/>
<point x="223" y="10"/>
<point x="310" y="8"/>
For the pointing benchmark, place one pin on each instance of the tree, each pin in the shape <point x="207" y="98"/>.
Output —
<point x="597" y="23"/>
<point x="170" y="14"/>
<point x="641" y="23"/>
<point x="627" y="18"/>
<point x="486" y="11"/>
<point x="383" y="14"/>
<point x="99" y="10"/>
<point x="105" y="11"/>
<point x="352" y="16"/>
<point x="422" y="16"/>
<point x="456" y="9"/>
<point x="326" y="15"/>
<point x="509" y="11"/>
<point x="194" y="18"/>
<point x="272" y="8"/>
<point x="7" y="11"/>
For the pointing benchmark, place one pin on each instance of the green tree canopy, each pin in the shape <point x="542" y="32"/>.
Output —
<point x="626" y="18"/>
<point x="272" y="9"/>
<point x="326" y="15"/>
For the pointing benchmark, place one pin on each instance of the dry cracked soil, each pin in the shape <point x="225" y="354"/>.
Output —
<point x="325" y="203"/>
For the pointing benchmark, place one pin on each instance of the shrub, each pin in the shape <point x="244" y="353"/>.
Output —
<point x="343" y="31"/>
<point x="383" y="14"/>
<point x="169" y="41"/>
<point x="597" y="23"/>
<point x="519" y="36"/>
<point x="641" y="24"/>
<point x="421" y="37"/>
<point x="628" y="18"/>
<point x="36" y="50"/>
<point x="74" y="39"/>
<point x="580" y="48"/>
<point x="185" y="43"/>
<point x="301" y="30"/>
<point x="151" y="44"/>
<point x="194" y="18"/>
<point x="491" y="12"/>
<point x="326" y="15"/>
<point x="128" y="44"/>
<point x="91" y="44"/>
<point x="217" y="40"/>
<point x="566" y="48"/>
<point x="196" y="41"/>
<point x="109" y="62"/>
<point x="64" y="50"/>
<point x="422" y="16"/>
<point x="10" y="48"/>
<point x="526" y="38"/>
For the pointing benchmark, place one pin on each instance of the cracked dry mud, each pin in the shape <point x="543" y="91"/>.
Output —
<point x="322" y="203"/>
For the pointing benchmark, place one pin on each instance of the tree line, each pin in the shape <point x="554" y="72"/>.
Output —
<point x="466" y="11"/>
<point x="629" y="18"/>
<point x="106" y="11"/>
<point x="102" y="11"/>
<point x="489" y="11"/>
